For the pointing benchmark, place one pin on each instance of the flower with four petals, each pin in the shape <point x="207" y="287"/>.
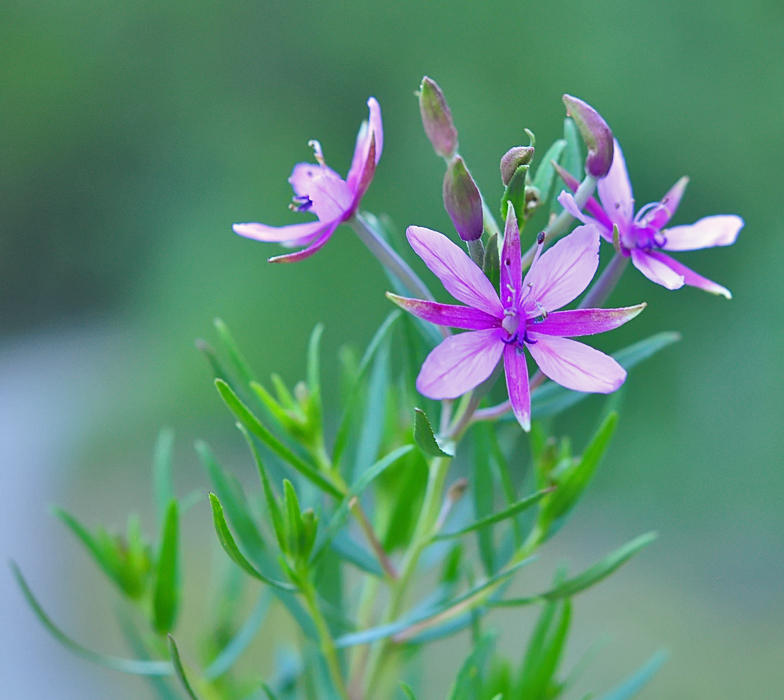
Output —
<point x="524" y="316"/>
<point x="643" y="236"/>
<point x="320" y="190"/>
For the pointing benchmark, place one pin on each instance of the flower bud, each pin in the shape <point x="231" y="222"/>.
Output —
<point x="595" y="133"/>
<point x="463" y="201"/>
<point x="513" y="159"/>
<point x="437" y="119"/>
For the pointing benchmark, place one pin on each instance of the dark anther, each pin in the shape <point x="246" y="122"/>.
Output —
<point x="540" y="238"/>
<point x="302" y="203"/>
<point x="526" y="339"/>
<point x="511" y="340"/>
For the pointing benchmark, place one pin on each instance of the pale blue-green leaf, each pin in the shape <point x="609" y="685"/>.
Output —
<point x="551" y="398"/>
<point x="239" y="643"/>
<point x="545" y="173"/>
<point x="238" y="364"/>
<point x="347" y="549"/>
<point x="467" y="684"/>
<point x="163" y="484"/>
<point x="371" y="431"/>
<point x="633" y="685"/>
<point x="132" y="666"/>
<point x="354" y="395"/>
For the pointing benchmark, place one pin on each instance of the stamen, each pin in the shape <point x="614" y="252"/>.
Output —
<point x="301" y="203"/>
<point x="316" y="146"/>
<point x="510" y="341"/>
<point x="539" y="248"/>
<point x="527" y="340"/>
<point x="542" y="313"/>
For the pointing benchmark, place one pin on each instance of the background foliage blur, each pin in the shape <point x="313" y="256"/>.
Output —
<point x="133" y="134"/>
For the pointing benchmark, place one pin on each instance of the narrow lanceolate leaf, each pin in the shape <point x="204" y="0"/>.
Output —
<point x="634" y="684"/>
<point x="587" y="578"/>
<point x="515" y="194"/>
<point x="356" y="490"/>
<point x="484" y="497"/>
<point x="232" y="497"/>
<point x="544" y="653"/>
<point x="238" y="364"/>
<point x="179" y="670"/>
<point x="230" y="547"/>
<point x="498" y="517"/>
<point x="348" y="550"/>
<point x="131" y="666"/>
<point x="575" y="479"/>
<point x="313" y="369"/>
<point x="545" y="173"/>
<point x="163" y="483"/>
<point x="246" y="417"/>
<point x="551" y="399"/>
<point x="269" y="495"/>
<point x="239" y="643"/>
<point x="407" y="691"/>
<point x="352" y="399"/>
<point x="371" y="430"/>
<point x="166" y="593"/>
<point x="571" y="159"/>
<point x="424" y="437"/>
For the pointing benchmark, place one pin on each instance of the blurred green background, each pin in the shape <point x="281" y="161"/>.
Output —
<point x="132" y="134"/>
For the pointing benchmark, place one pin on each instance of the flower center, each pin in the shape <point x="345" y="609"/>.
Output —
<point x="645" y="237"/>
<point x="511" y="321"/>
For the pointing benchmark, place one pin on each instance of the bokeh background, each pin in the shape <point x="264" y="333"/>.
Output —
<point x="132" y="134"/>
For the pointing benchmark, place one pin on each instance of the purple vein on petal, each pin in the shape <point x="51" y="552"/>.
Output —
<point x="464" y="317"/>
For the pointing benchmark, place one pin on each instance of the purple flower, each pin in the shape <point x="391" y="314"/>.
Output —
<point x="525" y="316"/>
<point x="320" y="190"/>
<point x="643" y="236"/>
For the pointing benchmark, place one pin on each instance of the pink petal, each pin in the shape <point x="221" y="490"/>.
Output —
<point x="592" y="206"/>
<point x="657" y="269"/>
<point x="303" y="174"/>
<point x="563" y="271"/>
<point x="511" y="263"/>
<point x="460" y="363"/>
<point x="705" y="233"/>
<point x="690" y="277"/>
<point x="517" y="384"/>
<point x="372" y="127"/>
<point x="615" y="191"/>
<point x="659" y="216"/>
<point x="446" y="314"/>
<point x="314" y="247"/>
<point x="457" y="272"/>
<point x="295" y="233"/>
<point x="585" y="321"/>
<point x="575" y="365"/>
<point x="568" y="202"/>
<point x="366" y="176"/>
<point x="330" y="195"/>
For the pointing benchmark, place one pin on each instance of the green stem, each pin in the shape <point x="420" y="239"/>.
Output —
<point x="326" y="643"/>
<point x="423" y="532"/>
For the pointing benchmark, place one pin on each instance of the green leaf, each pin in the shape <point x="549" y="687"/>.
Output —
<point x="218" y="370"/>
<point x="545" y="173"/>
<point x="408" y="622"/>
<point x="352" y="400"/>
<point x="515" y="193"/>
<point x="571" y="159"/>
<point x="424" y="437"/>
<point x="127" y="564"/>
<point x="232" y="497"/>
<point x="573" y="481"/>
<point x="633" y="685"/>
<point x="551" y="399"/>
<point x="498" y="517"/>
<point x="179" y="670"/>
<point x="239" y="643"/>
<point x="406" y="688"/>
<point x="356" y="490"/>
<point x="371" y="432"/>
<point x="238" y="364"/>
<point x="292" y="518"/>
<point x="131" y="666"/>
<point x="269" y="495"/>
<point x="491" y="265"/>
<point x="587" y="578"/>
<point x="244" y="415"/>
<point x="313" y="369"/>
<point x="163" y="483"/>
<point x="166" y="591"/>
<point x="230" y="547"/>
<point x="467" y="684"/>
<point x="544" y="653"/>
